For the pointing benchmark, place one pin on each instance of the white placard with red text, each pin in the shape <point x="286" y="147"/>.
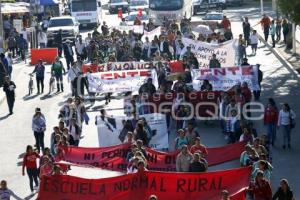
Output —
<point x="120" y="81"/>
<point x="223" y="79"/>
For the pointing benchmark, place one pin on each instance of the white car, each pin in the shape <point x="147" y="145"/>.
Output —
<point x="135" y="5"/>
<point x="115" y="5"/>
<point x="67" y="24"/>
<point x="132" y="16"/>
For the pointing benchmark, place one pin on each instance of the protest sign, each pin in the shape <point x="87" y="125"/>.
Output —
<point x="135" y="28"/>
<point x="114" y="157"/>
<point x="110" y="130"/>
<point x="203" y="51"/>
<point x="120" y="81"/>
<point x="151" y="34"/>
<point x="140" y="186"/>
<point x="223" y="79"/>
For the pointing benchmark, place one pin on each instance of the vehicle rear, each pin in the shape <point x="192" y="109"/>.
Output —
<point x="115" y="5"/>
<point x="86" y="12"/>
<point x="200" y="6"/>
<point x="136" y="5"/>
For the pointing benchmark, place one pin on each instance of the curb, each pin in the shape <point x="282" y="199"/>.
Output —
<point x="278" y="55"/>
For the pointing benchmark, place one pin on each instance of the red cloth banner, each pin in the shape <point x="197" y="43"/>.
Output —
<point x="114" y="157"/>
<point x="48" y="55"/>
<point x="139" y="186"/>
<point x="175" y="66"/>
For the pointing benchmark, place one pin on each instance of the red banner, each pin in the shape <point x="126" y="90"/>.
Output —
<point x="114" y="157"/>
<point x="175" y="66"/>
<point x="139" y="186"/>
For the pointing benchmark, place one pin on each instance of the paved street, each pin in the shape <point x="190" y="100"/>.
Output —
<point x="280" y="82"/>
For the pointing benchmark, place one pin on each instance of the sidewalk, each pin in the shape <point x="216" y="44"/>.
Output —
<point x="285" y="56"/>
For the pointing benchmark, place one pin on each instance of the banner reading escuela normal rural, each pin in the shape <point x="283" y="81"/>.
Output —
<point x="139" y="186"/>
<point x="114" y="157"/>
<point x="110" y="130"/>
<point x="223" y="79"/>
<point x="120" y="81"/>
<point x="203" y="51"/>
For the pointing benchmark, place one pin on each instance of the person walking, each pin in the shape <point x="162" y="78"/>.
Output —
<point x="246" y="30"/>
<point x="241" y="50"/>
<point x="29" y="162"/>
<point x="265" y="23"/>
<point x="271" y="119"/>
<point x="254" y="42"/>
<point x="285" y="30"/>
<point x="68" y="53"/>
<point x="273" y="32"/>
<point x="57" y="70"/>
<point x="286" y="122"/>
<point x="284" y="192"/>
<point x="42" y="39"/>
<point x="39" y="70"/>
<point x="278" y="29"/>
<point x="39" y="127"/>
<point x="9" y="64"/>
<point x="5" y="193"/>
<point x="9" y="89"/>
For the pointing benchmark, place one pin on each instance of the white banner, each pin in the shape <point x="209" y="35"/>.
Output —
<point x="223" y="79"/>
<point x="203" y="51"/>
<point x="135" y="28"/>
<point x="151" y="34"/>
<point x="110" y="130"/>
<point x="120" y="81"/>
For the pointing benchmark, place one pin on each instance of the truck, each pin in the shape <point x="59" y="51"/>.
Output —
<point x="208" y="5"/>
<point x="86" y="12"/>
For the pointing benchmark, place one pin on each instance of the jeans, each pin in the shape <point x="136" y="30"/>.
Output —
<point x="256" y="94"/>
<point x="39" y="140"/>
<point x="278" y="33"/>
<point x="59" y="82"/>
<point x="40" y="81"/>
<point x="33" y="176"/>
<point x="266" y="32"/>
<point x="273" y="40"/>
<point x="286" y="131"/>
<point x="271" y="130"/>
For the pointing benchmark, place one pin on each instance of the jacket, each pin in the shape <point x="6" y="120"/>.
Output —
<point x="183" y="162"/>
<point x="9" y="89"/>
<point x="280" y="195"/>
<point x="39" y="70"/>
<point x="270" y="115"/>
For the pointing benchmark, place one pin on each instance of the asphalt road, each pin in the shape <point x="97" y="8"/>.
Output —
<point x="279" y="82"/>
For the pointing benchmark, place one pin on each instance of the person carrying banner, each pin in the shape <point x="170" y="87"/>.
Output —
<point x="198" y="164"/>
<point x="260" y="188"/>
<point x="183" y="160"/>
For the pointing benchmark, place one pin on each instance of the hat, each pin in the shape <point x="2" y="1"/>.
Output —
<point x="37" y="110"/>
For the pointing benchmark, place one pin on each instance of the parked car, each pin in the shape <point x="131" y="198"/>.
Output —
<point x="68" y="25"/>
<point x="135" y="5"/>
<point x="207" y="5"/>
<point x="115" y="5"/>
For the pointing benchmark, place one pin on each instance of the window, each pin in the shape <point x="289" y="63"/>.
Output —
<point x="85" y="5"/>
<point x="61" y="22"/>
<point x="166" y="4"/>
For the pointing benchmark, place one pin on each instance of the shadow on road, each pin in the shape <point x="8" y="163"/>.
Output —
<point x="4" y="117"/>
<point x="28" y="97"/>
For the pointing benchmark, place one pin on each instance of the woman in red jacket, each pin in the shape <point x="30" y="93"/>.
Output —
<point x="270" y="120"/>
<point x="29" y="161"/>
<point x="261" y="188"/>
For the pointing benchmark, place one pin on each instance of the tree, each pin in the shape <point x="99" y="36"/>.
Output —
<point x="291" y="9"/>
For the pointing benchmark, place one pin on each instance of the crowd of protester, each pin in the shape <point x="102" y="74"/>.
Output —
<point x="111" y="45"/>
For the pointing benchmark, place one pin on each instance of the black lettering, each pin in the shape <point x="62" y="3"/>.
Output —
<point x="63" y="187"/>
<point x="134" y="183"/>
<point x="83" y="188"/>
<point x="126" y="185"/>
<point x="151" y="158"/>
<point x="102" y="189"/>
<point x="153" y="184"/>
<point x="180" y="183"/>
<point x="143" y="181"/>
<point x="220" y="183"/>
<point x="118" y="186"/>
<point x="74" y="187"/>
<point x="192" y="185"/>
<point x="162" y="189"/>
<point x="202" y="184"/>
<point x="91" y="189"/>
<point x="212" y="185"/>
<point x="88" y="156"/>
<point x="55" y="185"/>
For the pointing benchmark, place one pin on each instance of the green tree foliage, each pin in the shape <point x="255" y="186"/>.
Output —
<point x="290" y="8"/>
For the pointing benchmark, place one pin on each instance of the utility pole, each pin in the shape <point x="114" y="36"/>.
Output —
<point x="294" y="37"/>
<point x="1" y="27"/>
<point x="262" y="7"/>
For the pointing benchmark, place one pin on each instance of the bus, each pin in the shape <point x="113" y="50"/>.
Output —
<point x="86" y="12"/>
<point x="169" y="9"/>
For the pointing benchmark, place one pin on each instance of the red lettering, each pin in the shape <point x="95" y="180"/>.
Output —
<point x="145" y="73"/>
<point x="205" y="71"/>
<point x="132" y="73"/>
<point x="119" y="75"/>
<point x="107" y="76"/>
<point x="220" y="71"/>
<point x="233" y="70"/>
<point x="247" y="71"/>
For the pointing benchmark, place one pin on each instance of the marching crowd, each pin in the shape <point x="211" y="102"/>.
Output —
<point x="111" y="45"/>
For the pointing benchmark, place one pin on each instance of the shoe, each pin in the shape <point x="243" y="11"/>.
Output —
<point x="11" y="113"/>
<point x="283" y="146"/>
